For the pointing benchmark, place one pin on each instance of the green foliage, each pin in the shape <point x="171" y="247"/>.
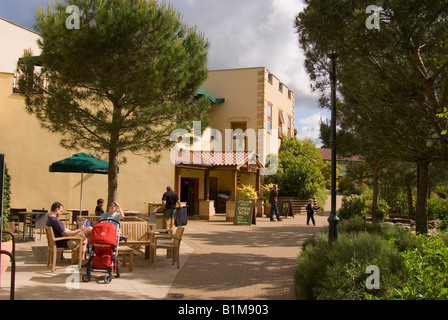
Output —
<point x="442" y="191"/>
<point x="438" y="208"/>
<point x="6" y="204"/>
<point x="247" y="192"/>
<point x="428" y="271"/>
<point x="411" y="266"/>
<point x="121" y="82"/>
<point x="266" y="188"/>
<point x="353" y="206"/>
<point x="299" y="173"/>
<point x="338" y="271"/>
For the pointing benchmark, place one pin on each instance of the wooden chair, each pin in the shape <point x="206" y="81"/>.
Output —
<point x="76" y="252"/>
<point x="166" y="241"/>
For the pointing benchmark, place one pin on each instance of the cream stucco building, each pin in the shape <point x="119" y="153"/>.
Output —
<point x="251" y="98"/>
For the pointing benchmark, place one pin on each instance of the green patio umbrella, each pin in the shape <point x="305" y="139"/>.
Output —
<point x="82" y="163"/>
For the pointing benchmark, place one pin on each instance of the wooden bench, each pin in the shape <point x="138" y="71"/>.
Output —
<point x="124" y="252"/>
<point x="137" y="233"/>
<point x="400" y="218"/>
<point x="95" y="219"/>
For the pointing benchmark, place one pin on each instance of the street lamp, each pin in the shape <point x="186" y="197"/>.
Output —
<point x="333" y="219"/>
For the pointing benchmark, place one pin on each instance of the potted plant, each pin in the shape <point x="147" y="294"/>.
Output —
<point x="6" y="240"/>
<point x="266" y="192"/>
<point x="248" y="192"/>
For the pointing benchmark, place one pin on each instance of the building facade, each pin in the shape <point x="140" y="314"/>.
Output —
<point x="249" y="99"/>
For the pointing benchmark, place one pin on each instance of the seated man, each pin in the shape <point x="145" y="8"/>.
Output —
<point x="60" y="231"/>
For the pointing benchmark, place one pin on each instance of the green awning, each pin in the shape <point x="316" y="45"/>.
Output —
<point x="214" y="100"/>
<point x="36" y="60"/>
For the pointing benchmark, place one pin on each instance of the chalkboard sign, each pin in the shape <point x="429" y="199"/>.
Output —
<point x="285" y="209"/>
<point x="244" y="212"/>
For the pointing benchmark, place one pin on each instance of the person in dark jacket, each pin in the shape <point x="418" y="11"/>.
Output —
<point x="310" y="208"/>
<point x="169" y="201"/>
<point x="273" y="200"/>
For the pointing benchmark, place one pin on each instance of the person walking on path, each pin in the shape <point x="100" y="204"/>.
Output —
<point x="169" y="201"/>
<point x="273" y="200"/>
<point x="310" y="208"/>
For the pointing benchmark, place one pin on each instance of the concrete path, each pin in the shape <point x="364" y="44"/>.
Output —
<point x="218" y="261"/>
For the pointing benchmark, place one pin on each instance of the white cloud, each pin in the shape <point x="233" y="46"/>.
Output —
<point x="309" y="127"/>
<point x="249" y="33"/>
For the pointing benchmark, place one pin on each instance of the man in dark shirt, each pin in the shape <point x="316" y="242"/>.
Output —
<point x="169" y="200"/>
<point x="273" y="199"/>
<point x="59" y="229"/>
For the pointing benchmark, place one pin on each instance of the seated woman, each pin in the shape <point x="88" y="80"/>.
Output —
<point x="99" y="207"/>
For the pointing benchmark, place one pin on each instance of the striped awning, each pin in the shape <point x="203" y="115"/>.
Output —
<point x="217" y="158"/>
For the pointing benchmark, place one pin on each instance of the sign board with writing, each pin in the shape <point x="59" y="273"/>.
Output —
<point x="244" y="212"/>
<point x="285" y="209"/>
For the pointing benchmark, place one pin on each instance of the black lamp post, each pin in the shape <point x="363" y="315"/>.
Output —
<point x="333" y="219"/>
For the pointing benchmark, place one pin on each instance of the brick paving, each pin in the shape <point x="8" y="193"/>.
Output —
<point x="218" y="261"/>
<point x="243" y="262"/>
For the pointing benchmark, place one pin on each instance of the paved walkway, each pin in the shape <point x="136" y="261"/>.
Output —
<point x="218" y="261"/>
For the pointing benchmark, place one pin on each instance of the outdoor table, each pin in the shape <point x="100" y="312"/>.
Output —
<point x="76" y="213"/>
<point x="27" y="221"/>
<point x="133" y="214"/>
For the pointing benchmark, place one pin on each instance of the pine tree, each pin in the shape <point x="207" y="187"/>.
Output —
<point x="121" y="80"/>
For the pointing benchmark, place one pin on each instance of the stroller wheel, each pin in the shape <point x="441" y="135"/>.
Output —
<point x="117" y="270"/>
<point x="108" y="278"/>
<point x="86" y="278"/>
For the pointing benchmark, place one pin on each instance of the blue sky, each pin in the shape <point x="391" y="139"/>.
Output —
<point x="242" y="33"/>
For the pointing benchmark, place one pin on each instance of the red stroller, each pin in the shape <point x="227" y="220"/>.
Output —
<point x="103" y="251"/>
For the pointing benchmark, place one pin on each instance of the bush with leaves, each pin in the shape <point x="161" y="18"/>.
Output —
<point x="338" y="271"/>
<point x="353" y="206"/>
<point x="428" y="271"/>
<point x="247" y="192"/>
<point x="6" y="205"/>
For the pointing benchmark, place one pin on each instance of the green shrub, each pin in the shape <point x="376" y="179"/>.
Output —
<point x="6" y="205"/>
<point x="339" y="271"/>
<point x="438" y="208"/>
<point x="353" y="206"/>
<point x="428" y="271"/>
<point x="247" y="192"/>
<point x="346" y="273"/>
<point x="312" y="264"/>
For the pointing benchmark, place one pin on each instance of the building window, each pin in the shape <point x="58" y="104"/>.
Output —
<point x="280" y="87"/>
<point x="281" y="121"/>
<point x="289" y="127"/>
<point x="269" y="118"/>
<point x="239" y="138"/>
<point x="15" y="83"/>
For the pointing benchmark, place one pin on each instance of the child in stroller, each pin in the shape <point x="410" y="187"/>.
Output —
<point x="104" y="244"/>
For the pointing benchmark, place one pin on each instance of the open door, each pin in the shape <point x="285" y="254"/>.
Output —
<point x="189" y="193"/>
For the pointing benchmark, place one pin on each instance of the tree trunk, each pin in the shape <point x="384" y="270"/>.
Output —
<point x="422" y="198"/>
<point x="375" y="187"/>
<point x="112" y="181"/>
<point x="410" y="201"/>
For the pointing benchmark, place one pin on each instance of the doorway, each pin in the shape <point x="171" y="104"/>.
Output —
<point x="189" y="193"/>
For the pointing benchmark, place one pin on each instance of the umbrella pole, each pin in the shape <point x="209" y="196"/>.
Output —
<point x="80" y="197"/>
